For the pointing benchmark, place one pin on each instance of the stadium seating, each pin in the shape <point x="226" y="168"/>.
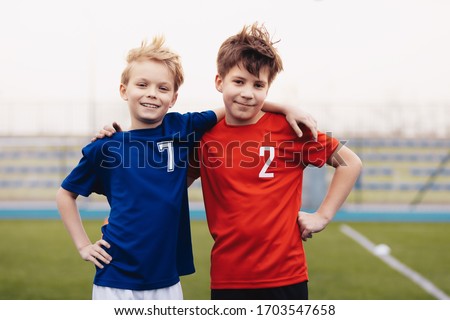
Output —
<point x="395" y="170"/>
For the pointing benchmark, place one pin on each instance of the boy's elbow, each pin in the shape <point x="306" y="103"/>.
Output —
<point x="348" y="159"/>
<point x="60" y="194"/>
<point x="63" y="195"/>
<point x="357" y="163"/>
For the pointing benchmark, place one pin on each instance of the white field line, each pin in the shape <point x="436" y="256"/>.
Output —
<point x="417" y="278"/>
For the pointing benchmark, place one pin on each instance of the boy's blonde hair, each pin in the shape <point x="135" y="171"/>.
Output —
<point x="157" y="52"/>
<point x="253" y="49"/>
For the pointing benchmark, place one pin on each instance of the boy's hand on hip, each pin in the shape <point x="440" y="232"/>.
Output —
<point x="310" y="223"/>
<point x="96" y="254"/>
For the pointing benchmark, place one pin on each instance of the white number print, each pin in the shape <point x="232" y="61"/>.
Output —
<point x="167" y="145"/>
<point x="262" y="150"/>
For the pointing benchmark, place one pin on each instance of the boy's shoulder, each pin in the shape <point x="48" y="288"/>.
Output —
<point x="268" y="123"/>
<point x="279" y="122"/>
<point x="93" y="147"/>
<point x="276" y="117"/>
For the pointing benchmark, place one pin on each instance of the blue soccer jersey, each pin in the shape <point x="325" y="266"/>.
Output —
<point x="143" y="175"/>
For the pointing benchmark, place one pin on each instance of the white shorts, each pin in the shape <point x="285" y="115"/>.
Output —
<point x="107" y="293"/>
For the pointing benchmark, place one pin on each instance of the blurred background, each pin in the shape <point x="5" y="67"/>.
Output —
<point x="375" y="74"/>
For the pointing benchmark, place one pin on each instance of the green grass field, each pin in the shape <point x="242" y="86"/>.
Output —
<point x="38" y="261"/>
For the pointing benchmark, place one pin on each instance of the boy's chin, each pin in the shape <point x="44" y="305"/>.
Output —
<point x="242" y="118"/>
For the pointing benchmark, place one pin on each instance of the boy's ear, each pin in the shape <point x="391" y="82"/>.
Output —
<point x="219" y="83"/>
<point x="123" y="92"/>
<point x="174" y="99"/>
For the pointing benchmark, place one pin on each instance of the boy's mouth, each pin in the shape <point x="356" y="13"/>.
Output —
<point x="244" y="104"/>
<point x="149" y="105"/>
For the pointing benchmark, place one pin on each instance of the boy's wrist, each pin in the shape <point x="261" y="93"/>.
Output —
<point x="81" y="247"/>
<point x="327" y="216"/>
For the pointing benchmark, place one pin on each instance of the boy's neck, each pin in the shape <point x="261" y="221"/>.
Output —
<point x="233" y="121"/>
<point x="142" y="126"/>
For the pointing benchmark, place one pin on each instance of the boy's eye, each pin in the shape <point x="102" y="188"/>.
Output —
<point x="238" y="81"/>
<point x="141" y="84"/>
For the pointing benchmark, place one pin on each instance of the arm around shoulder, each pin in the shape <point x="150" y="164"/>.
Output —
<point x="294" y="116"/>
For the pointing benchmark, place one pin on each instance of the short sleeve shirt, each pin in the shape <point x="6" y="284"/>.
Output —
<point x="142" y="173"/>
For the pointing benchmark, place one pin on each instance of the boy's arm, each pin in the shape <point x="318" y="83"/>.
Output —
<point x="109" y="130"/>
<point x="70" y="216"/>
<point x="347" y="169"/>
<point x="294" y="117"/>
<point x="220" y="113"/>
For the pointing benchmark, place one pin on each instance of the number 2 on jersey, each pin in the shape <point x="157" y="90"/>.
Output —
<point x="262" y="150"/>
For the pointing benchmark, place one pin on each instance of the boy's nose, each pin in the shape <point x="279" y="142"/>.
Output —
<point x="247" y="93"/>
<point x="151" y="93"/>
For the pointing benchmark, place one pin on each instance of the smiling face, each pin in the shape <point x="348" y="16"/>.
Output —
<point x="149" y="92"/>
<point x="243" y="94"/>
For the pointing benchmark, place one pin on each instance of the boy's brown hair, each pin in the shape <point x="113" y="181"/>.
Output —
<point x="157" y="52"/>
<point x="252" y="49"/>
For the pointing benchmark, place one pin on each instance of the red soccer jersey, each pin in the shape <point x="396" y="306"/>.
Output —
<point x="252" y="183"/>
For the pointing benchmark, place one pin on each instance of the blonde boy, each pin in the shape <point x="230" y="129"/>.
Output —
<point x="146" y="245"/>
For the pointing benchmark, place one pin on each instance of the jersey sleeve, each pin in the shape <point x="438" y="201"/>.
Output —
<point x="85" y="177"/>
<point x="318" y="152"/>
<point x="202" y="121"/>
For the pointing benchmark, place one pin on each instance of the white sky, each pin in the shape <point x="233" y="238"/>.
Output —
<point x="58" y="55"/>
